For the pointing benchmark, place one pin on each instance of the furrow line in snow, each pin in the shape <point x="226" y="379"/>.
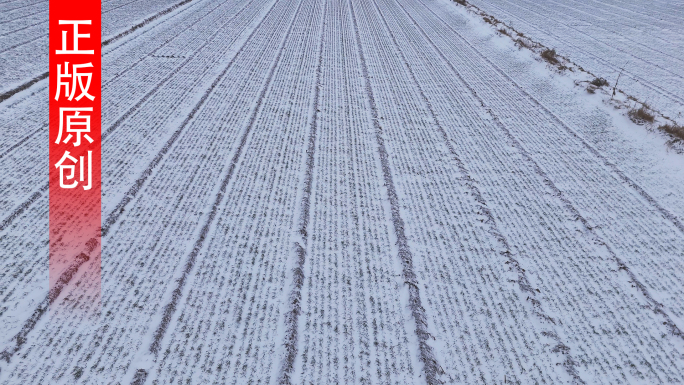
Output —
<point x="170" y="308"/>
<point x="649" y="324"/>
<point x="459" y="263"/>
<point x="22" y="207"/>
<point x="7" y="11"/>
<point x="295" y="296"/>
<point x="171" y="74"/>
<point x="668" y="16"/>
<point x="24" y="86"/>
<point x="431" y="368"/>
<point x="28" y="260"/>
<point x="353" y="324"/>
<point x="117" y="212"/>
<point x="53" y="294"/>
<point x="145" y="22"/>
<point x="662" y="38"/>
<point x="227" y="109"/>
<point x="541" y="232"/>
<point x="573" y="133"/>
<point x="109" y="130"/>
<point x="656" y="307"/>
<point x="21" y="6"/>
<point x="666" y="9"/>
<point x="652" y="89"/>
<point x="105" y="11"/>
<point x="16" y="1"/>
<point x="112" y="66"/>
<point x="596" y="30"/>
<point x="22" y="28"/>
<point x="20" y="142"/>
<point x="7" y="94"/>
<point x="133" y="190"/>
<point x="24" y="5"/>
<point x="523" y="282"/>
<point x="17" y="45"/>
<point x="647" y="58"/>
<point x="244" y="262"/>
<point x="14" y="19"/>
<point x="10" y="1"/>
<point x="44" y="21"/>
<point x="108" y="82"/>
<point x="41" y="34"/>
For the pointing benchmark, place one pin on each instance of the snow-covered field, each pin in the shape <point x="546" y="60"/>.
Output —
<point x="642" y="39"/>
<point x="346" y="191"/>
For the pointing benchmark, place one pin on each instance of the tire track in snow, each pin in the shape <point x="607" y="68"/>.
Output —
<point x="117" y="212"/>
<point x="299" y="245"/>
<point x="6" y="95"/>
<point x="523" y="281"/>
<point x="656" y="307"/>
<point x="169" y="309"/>
<point x="110" y="220"/>
<point x="426" y="354"/>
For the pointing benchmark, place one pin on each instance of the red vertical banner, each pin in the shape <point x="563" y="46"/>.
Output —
<point x="75" y="149"/>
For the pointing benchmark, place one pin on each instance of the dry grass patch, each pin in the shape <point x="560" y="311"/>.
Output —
<point x="673" y="129"/>
<point x="599" y="82"/>
<point x="522" y="43"/>
<point x="641" y="115"/>
<point x="550" y="56"/>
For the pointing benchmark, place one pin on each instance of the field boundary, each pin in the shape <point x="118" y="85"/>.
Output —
<point x="612" y="96"/>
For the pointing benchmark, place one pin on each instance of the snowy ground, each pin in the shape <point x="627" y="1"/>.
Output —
<point x="341" y="191"/>
<point x="643" y="39"/>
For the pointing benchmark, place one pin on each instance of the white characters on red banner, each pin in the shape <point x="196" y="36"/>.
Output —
<point x="74" y="122"/>
<point x="76" y="78"/>
<point x="74" y="50"/>
<point x="70" y="166"/>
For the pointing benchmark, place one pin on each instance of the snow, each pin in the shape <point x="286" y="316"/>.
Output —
<point x="457" y="211"/>
<point x="643" y="39"/>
